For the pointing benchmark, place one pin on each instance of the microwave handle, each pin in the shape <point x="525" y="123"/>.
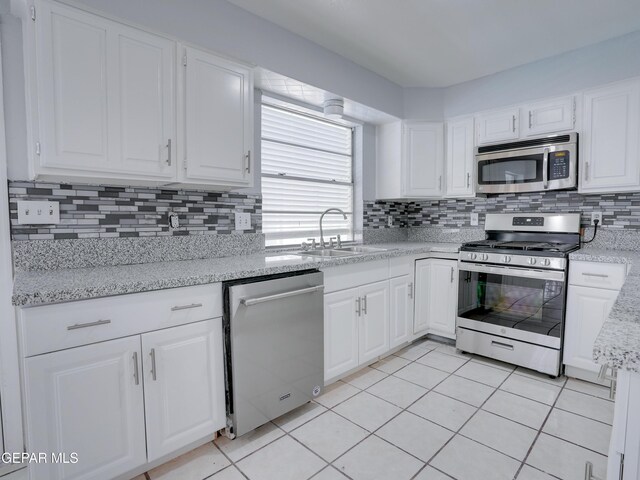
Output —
<point x="545" y="169"/>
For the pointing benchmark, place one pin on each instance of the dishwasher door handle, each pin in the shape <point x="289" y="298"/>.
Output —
<point x="247" y="302"/>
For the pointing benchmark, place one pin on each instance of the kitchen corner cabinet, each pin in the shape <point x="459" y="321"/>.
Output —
<point x="410" y="160"/>
<point x="610" y="142"/>
<point x="106" y="98"/>
<point x="111" y="103"/>
<point x="460" y="158"/>
<point x="218" y="125"/>
<point x="497" y="126"/>
<point x="436" y="299"/>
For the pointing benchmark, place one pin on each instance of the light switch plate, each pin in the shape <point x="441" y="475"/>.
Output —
<point x="243" y="221"/>
<point x="474" y="219"/>
<point x="38" y="213"/>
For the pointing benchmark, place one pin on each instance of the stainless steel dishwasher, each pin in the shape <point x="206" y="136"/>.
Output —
<point x="274" y="346"/>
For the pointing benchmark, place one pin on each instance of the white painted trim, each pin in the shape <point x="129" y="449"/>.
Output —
<point x="9" y="365"/>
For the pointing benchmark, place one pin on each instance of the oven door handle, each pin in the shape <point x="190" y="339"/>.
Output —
<point x="554" y="275"/>
<point x="545" y="168"/>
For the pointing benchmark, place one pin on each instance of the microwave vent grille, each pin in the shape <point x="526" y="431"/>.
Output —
<point x="534" y="142"/>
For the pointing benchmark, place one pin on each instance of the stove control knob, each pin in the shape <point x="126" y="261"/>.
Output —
<point x="506" y="259"/>
<point x="531" y="261"/>
<point x="484" y="257"/>
<point x="473" y="256"/>
<point x="546" y="262"/>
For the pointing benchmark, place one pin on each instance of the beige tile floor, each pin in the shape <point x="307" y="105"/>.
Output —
<point x="426" y="413"/>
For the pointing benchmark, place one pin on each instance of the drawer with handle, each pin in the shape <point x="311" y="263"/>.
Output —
<point x="596" y="274"/>
<point x="65" y="325"/>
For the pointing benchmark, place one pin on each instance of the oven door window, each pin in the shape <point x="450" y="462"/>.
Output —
<point x="513" y="170"/>
<point x="529" y="304"/>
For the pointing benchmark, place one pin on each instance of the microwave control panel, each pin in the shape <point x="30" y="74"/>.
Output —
<point x="558" y="165"/>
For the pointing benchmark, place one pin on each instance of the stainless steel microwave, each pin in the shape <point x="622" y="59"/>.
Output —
<point x="532" y="165"/>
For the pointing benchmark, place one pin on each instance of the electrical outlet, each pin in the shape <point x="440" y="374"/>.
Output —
<point x="474" y="220"/>
<point x="173" y="220"/>
<point x="243" y="221"/>
<point x="38" y="213"/>
<point x="596" y="216"/>
<point x="390" y="220"/>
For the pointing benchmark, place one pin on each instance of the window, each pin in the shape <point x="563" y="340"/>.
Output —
<point x="307" y="167"/>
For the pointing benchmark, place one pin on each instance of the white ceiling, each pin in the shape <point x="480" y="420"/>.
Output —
<point x="436" y="43"/>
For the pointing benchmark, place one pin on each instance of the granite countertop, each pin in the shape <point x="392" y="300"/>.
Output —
<point x="618" y="343"/>
<point x="41" y="287"/>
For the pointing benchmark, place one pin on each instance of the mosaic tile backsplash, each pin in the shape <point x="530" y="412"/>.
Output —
<point x="619" y="211"/>
<point x="88" y="211"/>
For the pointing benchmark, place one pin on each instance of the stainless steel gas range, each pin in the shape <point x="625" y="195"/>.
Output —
<point x="513" y="288"/>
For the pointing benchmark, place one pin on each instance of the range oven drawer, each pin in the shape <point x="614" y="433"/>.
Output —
<point x="535" y="357"/>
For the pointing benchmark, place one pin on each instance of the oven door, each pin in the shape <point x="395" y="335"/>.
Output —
<point x="519" y="303"/>
<point x="552" y="167"/>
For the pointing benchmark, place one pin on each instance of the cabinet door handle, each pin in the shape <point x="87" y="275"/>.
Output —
<point x="586" y="171"/>
<point x="358" y="306"/>
<point x="514" y="123"/>
<point x="186" y="307"/>
<point x="530" y="120"/>
<point x="603" y="375"/>
<point x="411" y="290"/>
<point x="588" y="472"/>
<point x="153" y="364"/>
<point x="440" y="183"/>
<point x="248" y="157"/>
<point x="599" y="275"/>
<point x="451" y="274"/>
<point x="169" y="152"/>
<point x="468" y="179"/>
<point x="90" y="324"/>
<point x="364" y="304"/>
<point x="136" y="371"/>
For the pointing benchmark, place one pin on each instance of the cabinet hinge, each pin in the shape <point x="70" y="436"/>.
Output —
<point x="184" y="164"/>
<point x="32" y="11"/>
<point x="37" y="148"/>
<point x="184" y="60"/>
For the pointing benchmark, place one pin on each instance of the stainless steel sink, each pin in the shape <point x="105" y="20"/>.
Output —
<point x="326" y="253"/>
<point x="359" y="249"/>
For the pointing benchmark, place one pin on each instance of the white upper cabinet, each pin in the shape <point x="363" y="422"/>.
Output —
<point x="423" y="159"/>
<point x="549" y="116"/>
<point x="105" y="95"/>
<point x="609" y="145"/>
<point x="497" y="126"/>
<point x="410" y="160"/>
<point x="460" y="158"/>
<point x="218" y="121"/>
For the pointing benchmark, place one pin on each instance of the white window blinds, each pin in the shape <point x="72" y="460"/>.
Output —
<point x="307" y="165"/>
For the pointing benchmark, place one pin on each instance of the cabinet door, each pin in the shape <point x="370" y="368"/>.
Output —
<point x="73" y="64"/>
<point x="460" y="158"/>
<point x="340" y="332"/>
<point x="217" y="120"/>
<point x="422" y="298"/>
<point x="549" y="116"/>
<point x="184" y="385"/>
<point x="587" y="310"/>
<point x="374" y="321"/>
<point x="610" y="141"/>
<point x="144" y="101"/>
<point x="443" y="301"/>
<point x="401" y="310"/>
<point x="87" y="400"/>
<point x="497" y="126"/>
<point x="423" y="159"/>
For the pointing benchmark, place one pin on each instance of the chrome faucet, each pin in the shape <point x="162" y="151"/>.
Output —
<point x="322" y="244"/>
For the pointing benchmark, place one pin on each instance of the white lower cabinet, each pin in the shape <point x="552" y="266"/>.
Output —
<point x="624" y="448"/>
<point x="123" y="403"/>
<point x="356" y="327"/>
<point x="436" y="297"/>
<point x="87" y="400"/>
<point x="183" y="385"/>
<point x="401" y="310"/>
<point x="374" y="321"/>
